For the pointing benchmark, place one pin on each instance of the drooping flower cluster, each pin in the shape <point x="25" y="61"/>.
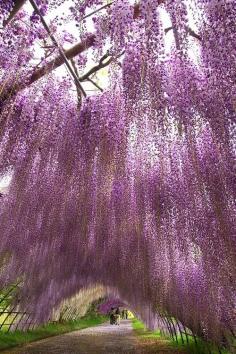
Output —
<point x="77" y="306"/>
<point x="5" y="10"/>
<point x="136" y="191"/>
<point x="109" y="303"/>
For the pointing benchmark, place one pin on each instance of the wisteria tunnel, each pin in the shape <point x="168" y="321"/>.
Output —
<point x="117" y="163"/>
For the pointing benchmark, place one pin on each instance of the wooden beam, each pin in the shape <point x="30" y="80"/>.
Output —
<point x="61" y="51"/>
<point x="72" y="52"/>
<point x="68" y="54"/>
<point x="58" y="61"/>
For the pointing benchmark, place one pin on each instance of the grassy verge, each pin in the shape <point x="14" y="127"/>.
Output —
<point x="9" y="340"/>
<point x="202" y="347"/>
<point x="144" y="334"/>
<point x="152" y="341"/>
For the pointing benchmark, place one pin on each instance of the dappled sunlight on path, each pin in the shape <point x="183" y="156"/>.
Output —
<point x="104" y="338"/>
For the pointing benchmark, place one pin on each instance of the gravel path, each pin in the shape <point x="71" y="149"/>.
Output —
<point x="103" y="339"/>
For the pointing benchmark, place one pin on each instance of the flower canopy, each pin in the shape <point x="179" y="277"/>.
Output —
<point x="132" y="187"/>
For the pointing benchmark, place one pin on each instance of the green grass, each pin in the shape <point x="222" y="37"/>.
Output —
<point x="152" y="340"/>
<point x="201" y="348"/>
<point x="140" y="329"/>
<point x="8" y="340"/>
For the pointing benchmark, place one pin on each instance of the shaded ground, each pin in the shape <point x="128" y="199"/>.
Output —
<point x="104" y="338"/>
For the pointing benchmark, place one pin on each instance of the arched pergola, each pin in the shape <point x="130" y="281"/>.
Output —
<point x="132" y="187"/>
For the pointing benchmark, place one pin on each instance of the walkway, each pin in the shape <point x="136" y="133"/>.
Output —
<point x="103" y="339"/>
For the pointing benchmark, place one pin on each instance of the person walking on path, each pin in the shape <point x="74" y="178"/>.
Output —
<point x="112" y="316"/>
<point x="117" y="316"/>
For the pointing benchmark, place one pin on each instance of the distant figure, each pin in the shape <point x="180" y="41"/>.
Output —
<point x="124" y="314"/>
<point x="117" y="316"/>
<point x="112" y="316"/>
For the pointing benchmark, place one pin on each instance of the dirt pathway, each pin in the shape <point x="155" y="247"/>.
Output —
<point x="103" y="339"/>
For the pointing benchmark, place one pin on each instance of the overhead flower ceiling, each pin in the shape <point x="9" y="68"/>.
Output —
<point x="133" y="187"/>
